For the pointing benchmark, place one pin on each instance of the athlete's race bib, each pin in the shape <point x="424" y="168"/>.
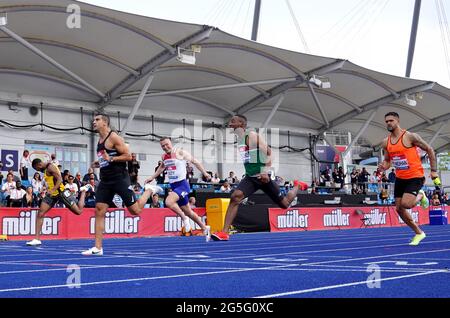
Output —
<point x="101" y="161"/>
<point x="400" y="162"/>
<point x="245" y="154"/>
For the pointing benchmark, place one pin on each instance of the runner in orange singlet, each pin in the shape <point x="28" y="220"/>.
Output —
<point x="401" y="151"/>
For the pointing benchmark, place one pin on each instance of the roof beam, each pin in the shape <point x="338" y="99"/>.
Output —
<point x="433" y="139"/>
<point x="136" y="106"/>
<point x="377" y="103"/>
<point x="360" y="132"/>
<point x="434" y="121"/>
<point x="62" y="68"/>
<point x="319" y="106"/>
<point x="153" y="64"/>
<point x="337" y="64"/>
<point x="212" y="88"/>
<point x="289" y="111"/>
<point x="273" y="111"/>
<point x="74" y="48"/>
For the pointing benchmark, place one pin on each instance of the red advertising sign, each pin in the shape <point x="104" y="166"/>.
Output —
<point x="20" y="224"/>
<point x="296" y="219"/>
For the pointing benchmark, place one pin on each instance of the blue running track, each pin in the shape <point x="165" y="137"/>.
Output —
<point x="365" y="263"/>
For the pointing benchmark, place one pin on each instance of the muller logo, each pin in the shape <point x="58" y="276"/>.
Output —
<point x="336" y="218"/>
<point x="117" y="223"/>
<point x="375" y="217"/>
<point x="292" y="219"/>
<point x="25" y="224"/>
<point x="174" y="223"/>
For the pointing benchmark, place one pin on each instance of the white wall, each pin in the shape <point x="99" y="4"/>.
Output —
<point x="289" y="165"/>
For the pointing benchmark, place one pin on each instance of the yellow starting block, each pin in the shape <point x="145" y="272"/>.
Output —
<point x="3" y="237"/>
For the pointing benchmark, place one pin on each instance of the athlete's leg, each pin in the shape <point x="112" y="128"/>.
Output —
<point x="43" y="209"/>
<point x="194" y="216"/>
<point x="408" y="201"/>
<point x="171" y="203"/>
<point x="100" y="211"/>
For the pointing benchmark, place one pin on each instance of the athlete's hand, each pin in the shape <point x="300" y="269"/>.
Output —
<point x="95" y="164"/>
<point x="383" y="166"/>
<point x="434" y="175"/>
<point x="207" y="177"/>
<point x="264" y="177"/>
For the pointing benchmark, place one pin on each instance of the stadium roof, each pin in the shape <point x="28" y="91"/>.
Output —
<point x="106" y="62"/>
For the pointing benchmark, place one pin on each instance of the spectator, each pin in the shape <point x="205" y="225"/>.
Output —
<point x="65" y="176"/>
<point x="25" y="164"/>
<point x="155" y="203"/>
<point x="341" y="177"/>
<point x="90" y="194"/>
<point x="16" y="196"/>
<point x="363" y="179"/>
<point x="54" y="160"/>
<point x="354" y="179"/>
<point x="215" y="179"/>
<point x="15" y="177"/>
<point x="37" y="183"/>
<point x="41" y="195"/>
<point x="133" y="169"/>
<point x="7" y="187"/>
<point x="189" y="172"/>
<point x="225" y="188"/>
<point x="160" y="179"/>
<point x="30" y="200"/>
<point x="192" y="202"/>
<point x="88" y="176"/>
<point x="435" y="201"/>
<point x="78" y="181"/>
<point x="391" y="176"/>
<point x="232" y="179"/>
<point x="71" y="186"/>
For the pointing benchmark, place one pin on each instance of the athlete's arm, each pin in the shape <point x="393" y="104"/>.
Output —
<point x="158" y="171"/>
<point x="121" y="147"/>
<point x="416" y="140"/>
<point x="54" y="172"/>
<point x="386" y="163"/>
<point x="188" y="157"/>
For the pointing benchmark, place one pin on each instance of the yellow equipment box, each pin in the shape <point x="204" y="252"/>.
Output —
<point x="216" y="210"/>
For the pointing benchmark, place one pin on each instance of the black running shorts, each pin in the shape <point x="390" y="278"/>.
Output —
<point x="66" y="197"/>
<point x="250" y="185"/>
<point x="403" y="186"/>
<point x="107" y="189"/>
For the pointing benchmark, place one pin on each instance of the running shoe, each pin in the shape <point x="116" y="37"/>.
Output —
<point x="34" y="242"/>
<point x="93" y="251"/>
<point x="424" y="202"/>
<point x="417" y="238"/>
<point x="220" y="236"/>
<point x="154" y="188"/>
<point x="185" y="232"/>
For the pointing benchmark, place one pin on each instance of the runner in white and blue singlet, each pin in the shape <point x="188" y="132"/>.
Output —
<point x="174" y="161"/>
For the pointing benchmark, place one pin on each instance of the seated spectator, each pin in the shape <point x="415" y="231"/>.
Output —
<point x="232" y="179"/>
<point x="90" y="194"/>
<point x="78" y="180"/>
<point x="15" y="177"/>
<point x="225" y="188"/>
<point x="16" y="196"/>
<point x="155" y="202"/>
<point x="7" y="187"/>
<point x="41" y="195"/>
<point x="90" y="174"/>
<point x="192" y="202"/>
<point x="30" y="200"/>
<point x="73" y="188"/>
<point x="37" y="183"/>
<point x="215" y="179"/>
<point x="435" y="200"/>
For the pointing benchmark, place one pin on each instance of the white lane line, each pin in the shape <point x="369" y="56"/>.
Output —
<point x="304" y="291"/>
<point x="376" y="257"/>
<point x="139" y="279"/>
